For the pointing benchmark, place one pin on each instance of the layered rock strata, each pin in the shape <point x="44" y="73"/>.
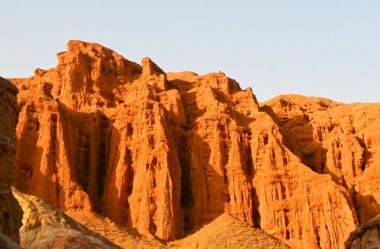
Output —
<point x="165" y="153"/>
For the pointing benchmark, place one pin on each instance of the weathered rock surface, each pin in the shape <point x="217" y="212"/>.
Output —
<point x="366" y="236"/>
<point x="46" y="227"/>
<point x="10" y="212"/>
<point x="166" y="153"/>
<point x="341" y="140"/>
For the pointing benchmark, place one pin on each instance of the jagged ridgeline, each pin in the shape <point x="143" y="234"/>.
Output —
<point x="163" y="154"/>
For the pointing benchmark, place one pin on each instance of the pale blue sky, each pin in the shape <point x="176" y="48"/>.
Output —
<point x="328" y="48"/>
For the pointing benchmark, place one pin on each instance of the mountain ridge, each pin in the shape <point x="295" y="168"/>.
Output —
<point x="166" y="153"/>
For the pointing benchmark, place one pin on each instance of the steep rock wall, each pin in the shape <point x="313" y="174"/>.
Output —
<point x="341" y="140"/>
<point x="166" y="153"/>
<point x="10" y="211"/>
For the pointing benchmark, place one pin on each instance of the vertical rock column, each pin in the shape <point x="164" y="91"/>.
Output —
<point x="10" y="211"/>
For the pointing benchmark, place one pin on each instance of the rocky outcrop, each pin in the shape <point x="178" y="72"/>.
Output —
<point x="337" y="139"/>
<point x="166" y="153"/>
<point x="47" y="227"/>
<point x="95" y="136"/>
<point x="366" y="236"/>
<point x="10" y="212"/>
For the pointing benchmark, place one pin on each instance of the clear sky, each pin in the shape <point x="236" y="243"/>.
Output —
<point x="328" y="48"/>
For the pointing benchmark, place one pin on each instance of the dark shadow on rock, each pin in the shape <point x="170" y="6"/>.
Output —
<point x="367" y="207"/>
<point x="299" y="138"/>
<point x="195" y="152"/>
<point x="367" y="155"/>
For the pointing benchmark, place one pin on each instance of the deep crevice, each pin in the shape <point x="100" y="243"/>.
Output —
<point x="255" y="209"/>
<point x="103" y="147"/>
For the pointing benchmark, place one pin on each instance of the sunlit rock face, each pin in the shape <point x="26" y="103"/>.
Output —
<point x="340" y="140"/>
<point x="166" y="153"/>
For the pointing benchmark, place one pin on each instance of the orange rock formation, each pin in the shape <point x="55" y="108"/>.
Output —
<point x="165" y="153"/>
<point x="10" y="211"/>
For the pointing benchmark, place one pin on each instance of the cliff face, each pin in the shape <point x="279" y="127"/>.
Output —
<point x="166" y="153"/>
<point x="10" y="212"/>
<point x="341" y="140"/>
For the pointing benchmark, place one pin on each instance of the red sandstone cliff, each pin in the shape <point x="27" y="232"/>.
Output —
<point x="165" y="153"/>
<point x="341" y="140"/>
